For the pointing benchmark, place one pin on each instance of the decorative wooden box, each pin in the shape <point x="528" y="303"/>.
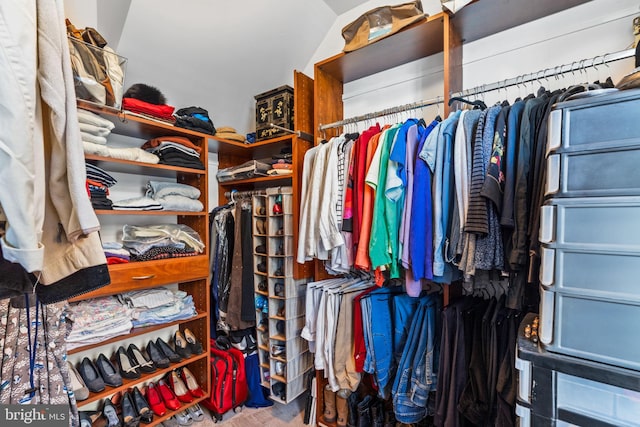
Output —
<point x="274" y="106"/>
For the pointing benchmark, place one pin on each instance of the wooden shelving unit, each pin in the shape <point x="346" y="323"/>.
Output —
<point x="191" y="274"/>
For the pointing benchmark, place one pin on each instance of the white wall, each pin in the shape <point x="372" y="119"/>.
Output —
<point x="579" y="33"/>
<point x="212" y="54"/>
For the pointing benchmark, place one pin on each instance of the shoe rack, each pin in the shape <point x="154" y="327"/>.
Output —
<point x="280" y="299"/>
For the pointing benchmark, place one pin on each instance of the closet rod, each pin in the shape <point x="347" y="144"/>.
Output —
<point x="229" y="195"/>
<point x="548" y="72"/>
<point x="385" y="112"/>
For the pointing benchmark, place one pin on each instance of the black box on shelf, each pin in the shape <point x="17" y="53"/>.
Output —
<point x="274" y="106"/>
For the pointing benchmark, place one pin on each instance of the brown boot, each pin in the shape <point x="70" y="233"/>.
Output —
<point x="342" y="407"/>
<point x="329" y="414"/>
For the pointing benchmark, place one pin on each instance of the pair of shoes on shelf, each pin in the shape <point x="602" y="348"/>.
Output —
<point x="278" y="289"/>
<point x="279" y="389"/>
<point x="260" y="227"/>
<point x="134" y="408"/>
<point x="262" y="286"/>
<point x="184" y="385"/>
<point x="161" y="398"/>
<point x="261" y="249"/>
<point x="261" y="210"/>
<point x="261" y="267"/>
<point x="186" y="344"/>
<point x="95" y="376"/>
<point x="281" y="311"/>
<point x="278" y="350"/>
<point x="189" y="415"/>
<point x="132" y="363"/>
<point x="280" y="250"/>
<point x="280" y="368"/>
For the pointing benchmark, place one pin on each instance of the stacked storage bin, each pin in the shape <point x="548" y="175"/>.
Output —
<point x="284" y="354"/>
<point x="590" y="244"/>
<point x="559" y="390"/>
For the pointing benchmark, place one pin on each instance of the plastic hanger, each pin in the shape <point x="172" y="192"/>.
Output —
<point x="476" y="104"/>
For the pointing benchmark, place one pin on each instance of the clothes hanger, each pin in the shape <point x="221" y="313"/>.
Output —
<point x="476" y="104"/>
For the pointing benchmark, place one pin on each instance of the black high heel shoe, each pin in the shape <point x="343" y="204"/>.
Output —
<point x="110" y="413"/>
<point x="142" y="407"/>
<point x="194" y="344"/>
<point x="159" y="359"/>
<point x="128" y="368"/>
<point x="129" y="414"/>
<point x="108" y="372"/>
<point x="181" y="345"/>
<point x="168" y="351"/>
<point x="136" y="355"/>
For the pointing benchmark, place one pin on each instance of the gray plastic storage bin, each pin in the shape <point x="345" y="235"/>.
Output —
<point x="591" y="328"/>
<point x="598" y="223"/>
<point x="596" y="122"/>
<point x="560" y="390"/>
<point x="603" y="172"/>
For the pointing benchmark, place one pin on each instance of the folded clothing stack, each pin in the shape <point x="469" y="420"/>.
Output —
<point x="175" y="151"/>
<point x="98" y="183"/>
<point x="227" y="132"/>
<point x="143" y="203"/>
<point x="93" y="128"/>
<point x="157" y="306"/>
<point x="247" y="169"/>
<point x="97" y="319"/>
<point x="115" y="253"/>
<point x="151" y="242"/>
<point x="282" y="163"/>
<point x="175" y="197"/>
<point x="194" y="118"/>
<point x="161" y="112"/>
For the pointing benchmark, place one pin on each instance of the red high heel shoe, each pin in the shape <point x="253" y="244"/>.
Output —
<point x="192" y="384"/>
<point x="179" y="388"/>
<point x="168" y="397"/>
<point x="155" y="401"/>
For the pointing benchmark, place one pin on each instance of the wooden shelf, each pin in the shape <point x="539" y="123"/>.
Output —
<point x="270" y="141"/>
<point x="257" y="180"/>
<point x="424" y="38"/>
<point x="130" y="166"/>
<point x="147" y="213"/>
<point x="483" y="18"/>
<point x="137" y="331"/>
<point x="127" y="277"/>
<point x="127" y="383"/>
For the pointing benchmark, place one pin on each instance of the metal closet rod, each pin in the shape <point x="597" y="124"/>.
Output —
<point x="548" y="72"/>
<point x="385" y="112"/>
<point x="242" y="194"/>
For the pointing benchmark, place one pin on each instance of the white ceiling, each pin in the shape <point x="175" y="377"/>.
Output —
<point x="341" y="6"/>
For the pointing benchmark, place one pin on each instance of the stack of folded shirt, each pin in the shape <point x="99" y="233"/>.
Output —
<point x="175" y="197"/>
<point x="151" y="242"/>
<point x="175" y="151"/>
<point x="281" y="164"/>
<point x="228" y="132"/>
<point x="158" y="306"/>
<point x="95" y="320"/>
<point x="98" y="182"/>
<point x="195" y="118"/>
<point x="115" y="253"/>
<point x="93" y="128"/>
<point x="161" y="112"/>
<point x="143" y="203"/>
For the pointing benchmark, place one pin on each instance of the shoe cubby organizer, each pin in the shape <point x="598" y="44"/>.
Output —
<point x="284" y="355"/>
